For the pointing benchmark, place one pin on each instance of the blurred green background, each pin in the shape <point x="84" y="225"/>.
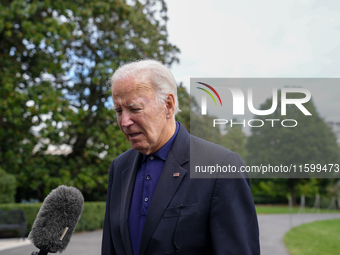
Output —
<point x="57" y="125"/>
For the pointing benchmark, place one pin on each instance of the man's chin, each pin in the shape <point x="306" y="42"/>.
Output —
<point x="138" y="147"/>
<point x="142" y="149"/>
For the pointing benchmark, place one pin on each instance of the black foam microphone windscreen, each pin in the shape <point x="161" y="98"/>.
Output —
<point x="57" y="219"/>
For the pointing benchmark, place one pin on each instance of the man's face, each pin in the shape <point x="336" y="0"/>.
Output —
<point x="141" y="118"/>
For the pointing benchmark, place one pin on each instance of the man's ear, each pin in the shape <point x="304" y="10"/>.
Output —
<point x="170" y="106"/>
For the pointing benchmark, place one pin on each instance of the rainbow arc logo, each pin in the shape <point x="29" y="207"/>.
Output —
<point x="204" y="98"/>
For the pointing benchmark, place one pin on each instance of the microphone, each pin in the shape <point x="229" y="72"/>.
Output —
<point x="56" y="220"/>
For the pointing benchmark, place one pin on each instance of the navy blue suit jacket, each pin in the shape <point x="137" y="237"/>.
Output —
<point x="186" y="216"/>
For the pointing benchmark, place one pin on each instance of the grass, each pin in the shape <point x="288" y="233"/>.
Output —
<point x="275" y="209"/>
<point x="316" y="238"/>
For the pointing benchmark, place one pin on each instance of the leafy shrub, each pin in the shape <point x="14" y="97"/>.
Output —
<point x="92" y="217"/>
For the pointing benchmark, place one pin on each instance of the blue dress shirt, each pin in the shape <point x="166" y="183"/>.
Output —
<point x="146" y="181"/>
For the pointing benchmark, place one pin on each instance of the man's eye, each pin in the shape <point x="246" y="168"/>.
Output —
<point x="135" y="110"/>
<point x="119" y="112"/>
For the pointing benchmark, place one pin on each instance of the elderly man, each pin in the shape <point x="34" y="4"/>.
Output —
<point x="153" y="206"/>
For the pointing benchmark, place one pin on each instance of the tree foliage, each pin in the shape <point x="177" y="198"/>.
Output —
<point x="235" y="140"/>
<point x="55" y="59"/>
<point x="184" y="104"/>
<point x="310" y="142"/>
<point x="201" y="126"/>
<point x="7" y="187"/>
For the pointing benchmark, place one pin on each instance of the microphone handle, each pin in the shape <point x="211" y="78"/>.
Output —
<point x="41" y="252"/>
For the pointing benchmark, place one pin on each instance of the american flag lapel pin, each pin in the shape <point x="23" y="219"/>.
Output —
<point x="175" y="175"/>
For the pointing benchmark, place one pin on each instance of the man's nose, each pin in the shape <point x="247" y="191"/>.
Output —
<point x="126" y="119"/>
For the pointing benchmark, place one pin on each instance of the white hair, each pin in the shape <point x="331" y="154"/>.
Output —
<point x="163" y="82"/>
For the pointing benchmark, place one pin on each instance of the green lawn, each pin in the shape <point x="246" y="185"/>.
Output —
<point x="272" y="209"/>
<point x="316" y="238"/>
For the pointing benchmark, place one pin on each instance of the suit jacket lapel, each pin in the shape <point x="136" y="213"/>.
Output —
<point x="167" y="185"/>
<point x="128" y="182"/>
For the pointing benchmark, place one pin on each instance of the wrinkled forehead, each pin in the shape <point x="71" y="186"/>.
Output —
<point x="130" y="83"/>
<point x="130" y="89"/>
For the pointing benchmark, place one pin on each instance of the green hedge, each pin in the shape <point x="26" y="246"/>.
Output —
<point x="92" y="217"/>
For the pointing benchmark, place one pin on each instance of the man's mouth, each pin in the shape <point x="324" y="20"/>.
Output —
<point x="134" y="134"/>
